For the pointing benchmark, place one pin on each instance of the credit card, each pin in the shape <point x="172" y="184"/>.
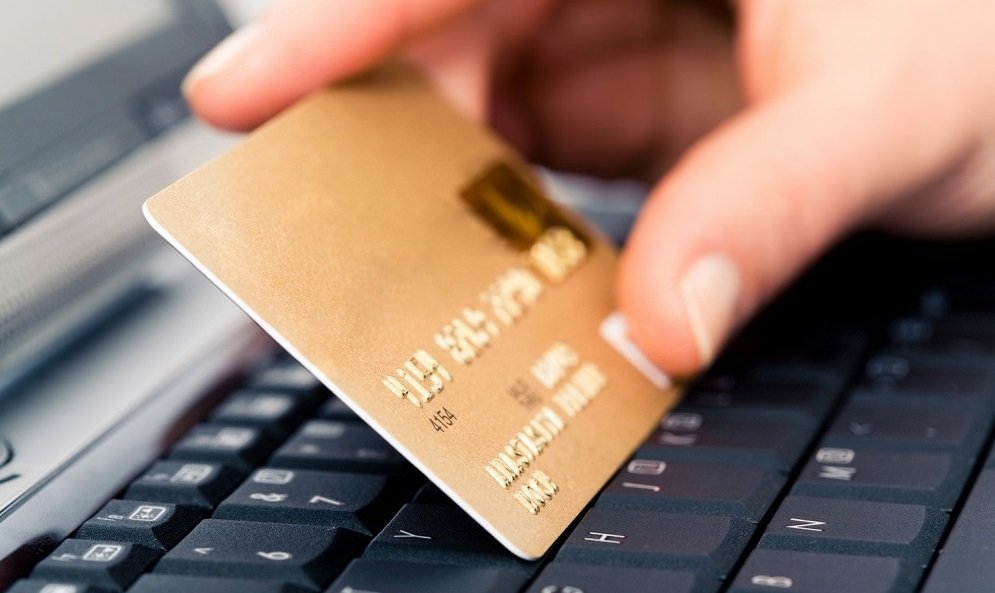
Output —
<point x="410" y="260"/>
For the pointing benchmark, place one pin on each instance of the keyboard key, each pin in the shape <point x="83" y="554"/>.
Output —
<point x="867" y="474"/>
<point x="386" y="576"/>
<point x="954" y="336"/>
<point x="913" y="425"/>
<point x="851" y="526"/>
<point x="910" y="375"/>
<point x="336" y="409"/>
<point x="5" y="453"/>
<point x="236" y="446"/>
<point x="339" y="446"/>
<point x="353" y="501"/>
<point x="694" y="487"/>
<point x="154" y="525"/>
<point x="40" y="586"/>
<point x="430" y="494"/>
<point x="800" y="572"/>
<point x="717" y="436"/>
<point x="963" y="294"/>
<point x="441" y="534"/>
<point x="828" y="356"/>
<point x="107" y="565"/>
<point x="965" y="564"/>
<point x="196" y="484"/>
<point x="288" y="376"/>
<point x="278" y="412"/>
<point x="564" y="577"/>
<point x="811" y="399"/>
<point x="621" y="537"/>
<point x="302" y="555"/>
<point x="168" y="583"/>
<point x="977" y="325"/>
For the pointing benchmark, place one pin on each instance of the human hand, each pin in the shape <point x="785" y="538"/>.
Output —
<point x="773" y="138"/>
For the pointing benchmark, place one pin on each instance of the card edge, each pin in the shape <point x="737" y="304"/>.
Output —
<point x="285" y="344"/>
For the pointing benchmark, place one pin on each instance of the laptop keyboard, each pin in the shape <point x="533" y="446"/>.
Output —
<point x="833" y="456"/>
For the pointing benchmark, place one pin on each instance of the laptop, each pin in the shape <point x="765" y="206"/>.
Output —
<point x="153" y="440"/>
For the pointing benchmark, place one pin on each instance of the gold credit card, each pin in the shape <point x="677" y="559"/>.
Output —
<point x="409" y="260"/>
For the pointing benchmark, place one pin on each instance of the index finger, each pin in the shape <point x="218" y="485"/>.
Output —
<point x="298" y="46"/>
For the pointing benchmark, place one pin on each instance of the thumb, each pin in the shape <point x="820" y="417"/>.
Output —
<point x="753" y="203"/>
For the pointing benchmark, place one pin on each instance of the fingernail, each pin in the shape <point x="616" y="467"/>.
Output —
<point x="222" y="56"/>
<point x="710" y="289"/>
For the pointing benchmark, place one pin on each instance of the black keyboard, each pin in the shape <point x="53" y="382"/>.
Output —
<point x="836" y="449"/>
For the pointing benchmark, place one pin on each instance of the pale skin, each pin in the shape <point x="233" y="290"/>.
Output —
<point x="769" y="128"/>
